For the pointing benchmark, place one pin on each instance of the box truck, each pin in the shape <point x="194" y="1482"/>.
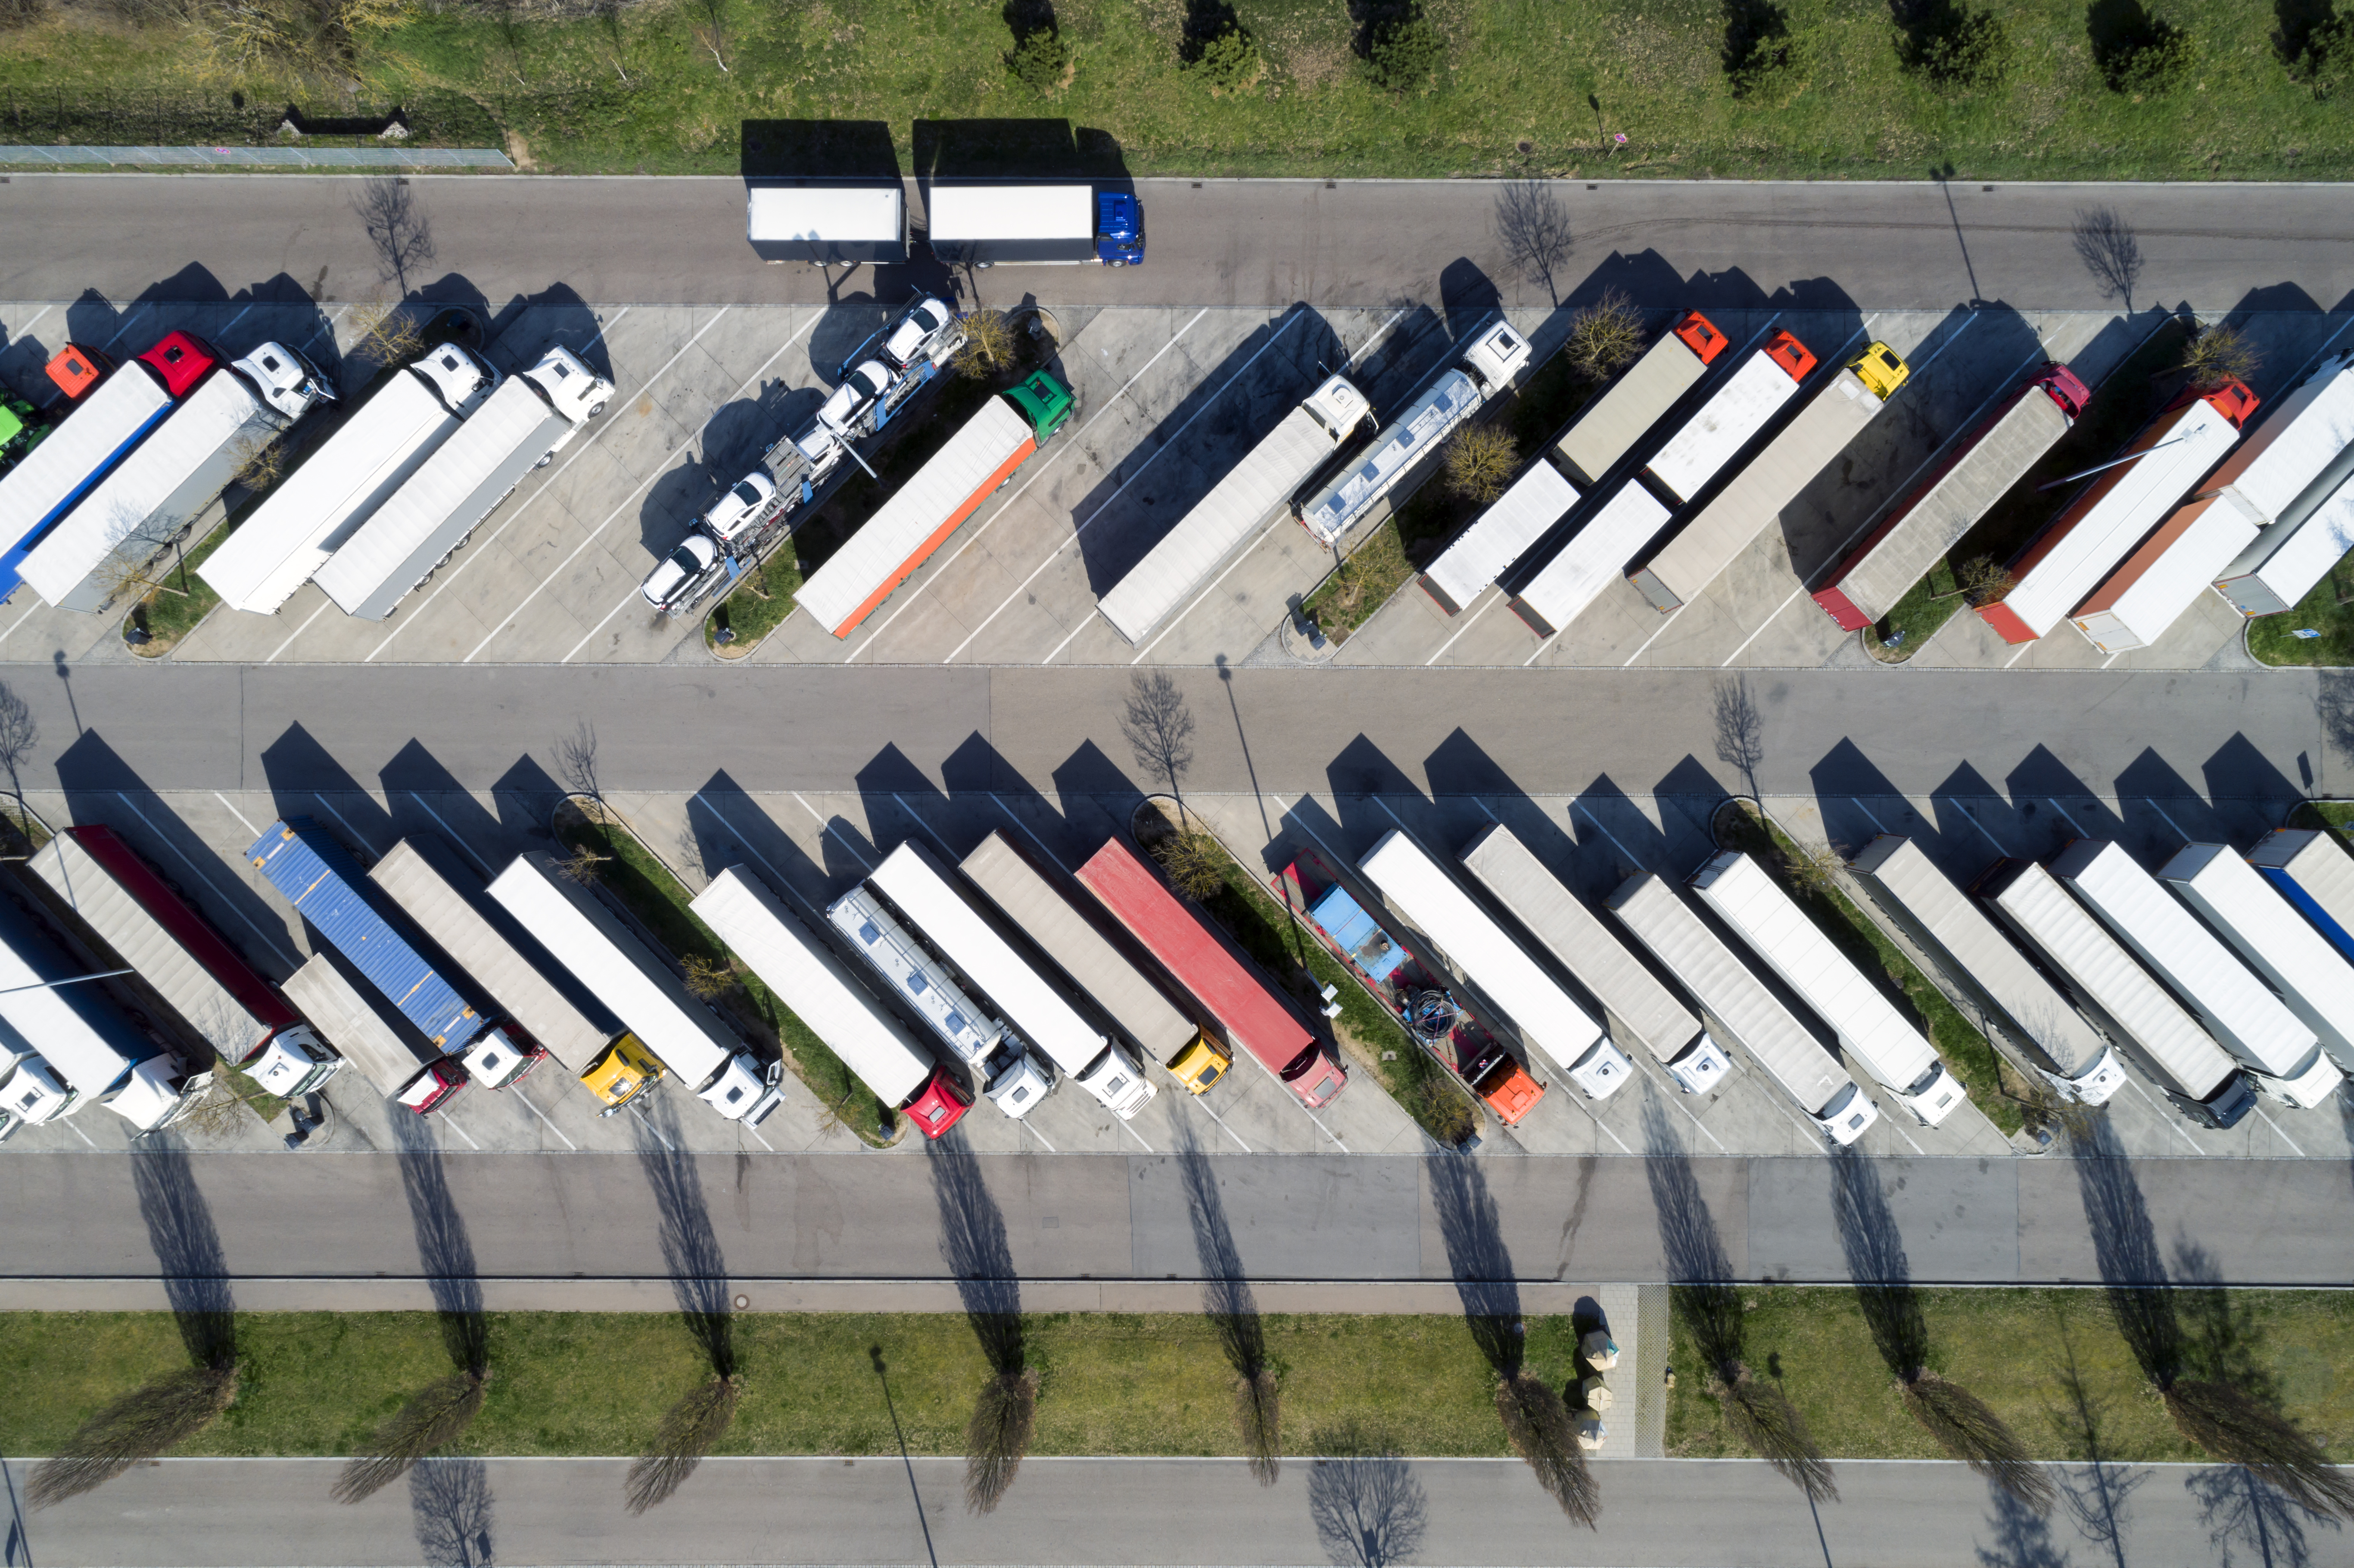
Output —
<point x="1484" y="368"/>
<point x="2069" y="555"/>
<point x="1027" y="894"/>
<point x="1974" y="473"/>
<point x="827" y="222"/>
<point x="520" y="427"/>
<point x="2133" y="1009"/>
<point x="406" y="1069"/>
<point x="912" y="877"/>
<point x="2311" y="977"/>
<point x="2316" y="875"/>
<point x="2281" y="1051"/>
<point x="1584" y="945"/>
<point x="52" y="1014"/>
<point x="1221" y="979"/>
<point x="1743" y="404"/>
<point x="980" y="226"/>
<point x="1593" y="557"/>
<point x="1540" y="497"/>
<point x="802" y="972"/>
<point x="1869" y="1028"/>
<point x="1737" y="1002"/>
<point x="1546" y="1015"/>
<point x="150" y="929"/>
<point x="1607" y="427"/>
<point x="107" y="420"/>
<point x="2009" y="993"/>
<point x="1674" y="572"/>
<point x="1252" y="493"/>
<point x="973" y="466"/>
<point x="309" y="513"/>
<point x="154" y="493"/>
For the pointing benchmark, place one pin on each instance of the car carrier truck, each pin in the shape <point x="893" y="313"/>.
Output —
<point x="310" y="512"/>
<point x="827" y="222"/>
<point x="1974" y="473"/>
<point x="982" y="226"/>
<point x="2310" y="976"/>
<point x="2316" y="875"/>
<point x="406" y="1069"/>
<point x="522" y="425"/>
<point x="920" y="515"/>
<point x="1253" y="492"/>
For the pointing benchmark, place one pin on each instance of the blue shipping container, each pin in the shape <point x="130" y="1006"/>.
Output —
<point x="319" y="878"/>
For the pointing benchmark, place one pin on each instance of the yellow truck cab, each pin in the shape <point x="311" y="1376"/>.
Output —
<point x="624" y="1070"/>
<point x="1200" y="1064"/>
<point x="1880" y="370"/>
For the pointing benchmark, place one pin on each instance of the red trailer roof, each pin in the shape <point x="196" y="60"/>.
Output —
<point x="204" y="944"/>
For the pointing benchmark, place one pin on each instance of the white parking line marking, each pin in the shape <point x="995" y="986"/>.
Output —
<point x="359" y="837"/>
<point x="1869" y="815"/>
<point x="2282" y="1137"/>
<point x="2072" y="822"/>
<point x="1085" y="621"/>
<point x="232" y="811"/>
<point x="1136" y="1135"/>
<point x="22" y="619"/>
<point x="1033" y="838"/>
<point x="1202" y="1101"/>
<point x="517" y="1091"/>
<point x="276" y="942"/>
<point x="78" y="1132"/>
<point x="298" y="632"/>
<point x="758" y="1139"/>
<point x="829" y="826"/>
<point x="1631" y="858"/>
<point x="1459" y="631"/>
<point x="451" y="834"/>
<point x="927" y="827"/>
<point x="2168" y="821"/>
<point x="649" y="1124"/>
<point x="2015" y="658"/>
<point x="1665" y="622"/>
<point x="1036" y="1134"/>
<point x="452" y="1123"/>
<point x="1971" y="818"/>
<point x="1761" y="625"/>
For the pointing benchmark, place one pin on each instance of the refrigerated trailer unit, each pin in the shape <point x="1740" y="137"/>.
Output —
<point x="1738" y="1002"/>
<point x="2069" y="555"/>
<point x="1218" y="975"/>
<point x="2316" y="875"/>
<point x="308" y="515"/>
<point x="1253" y="492"/>
<point x="520" y="427"/>
<point x="1869" y="1028"/>
<point x="1975" y="473"/>
<point x="156" y="492"/>
<point x="915" y="880"/>
<point x="921" y="515"/>
<point x="2278" y="1048"/>
<point x="1743" y="404"/>
<point x="2132" y="1008"/>
<point x="405" y="1068"/>
<point x="2289" y="558"/>
<point x="1595" y="557"/>
<point x="1987" y="967"/>
<point x="1526" y="511"/>
<point x="827" y="222"/>
<point x="2312" y="978"/>
<point x="981" y="226"/>
<point x="1607" y="428"/>
<point x="1674" y="572"/>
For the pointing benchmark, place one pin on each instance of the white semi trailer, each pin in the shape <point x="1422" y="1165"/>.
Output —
<point x="2312" y="977"/>
<point x="1607" y="428"/>
<point x="827" y="222"/>
<point x="1869" y="1027"/>
<point x="2012" y="993"/>
<point x="308" y="514"/>
<point x="1540" y="497"/>
<point x="1592" y="559"/>
<point x="2289" y="558"/>
<point x="2315" y="875"/>
<point x="88" y="1048"/>
<point x="1737" y="1001"/>
<point x="522" y="425"/>
<point x="1253" y="492"/>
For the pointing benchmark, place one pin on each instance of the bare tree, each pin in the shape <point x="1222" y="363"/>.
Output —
<point x="1979" y="581"/>
<point x="387" y="336"/>
<point x="402" y="238"/>
<point x="988" y="345"/>
<point x="261" y="460"/>
<point x="1159" y="729"/>
<point x="1534" y="228"/>
<point x="1479" y="459"/>
<point x="1740" y="730"/>
<point x="581" y="865"/>
<point x="2107" y="245"/>
<point x="19" y="732"/>
<point x="575" y="761"/>
<point x="1816" y="869"/>
<point x="2219" y="354"/>
<point x="1605" y="335"/>
<point x="707" y="978"/>
<point x="1194" y="861"/>
<point x="710" y="31"/>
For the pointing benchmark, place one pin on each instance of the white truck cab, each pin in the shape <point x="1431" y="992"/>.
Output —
<point x="1849" y="1114"/>
<point x="1602" y="1072"/>
<point x="1116" y="1081"/>
<point x="573" y="389"/>
<point x="31" y="1093"/>
<point x="1495" y="356"/>
<point x="292" y="1062"/>
<point x="1020" y="1082"/>
<point x="1703" y="1067"/>
<point x="502" y="1056"/>
<point x="461" y="378"/>
<point x="284" y="380"/>
<point x="1339" y="406"/>
<point x="745" y="1091"/>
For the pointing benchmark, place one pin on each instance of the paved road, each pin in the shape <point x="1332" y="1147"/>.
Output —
<point x="1260" y="242"/>
<point x="1656" y="1513"/>
<point x="1103" y="1218"/>
<point x="1968" y="733"/>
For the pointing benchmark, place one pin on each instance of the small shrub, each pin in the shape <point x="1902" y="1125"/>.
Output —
<point x="1195" y="862"/>
<point x="14" y="14"/>
<point x="1404" y="52"/>
<point x="2323" y="62"/>
<point x="1959" y="52"/>
<point x="2218" y="355"/>
<point x="1043" y="62"/>
<point x="1765" y="61"/>
<point x="1980" y="581"/>
<point x="1229" y="62"/>
<point x="2140" y="54"/>
<point x="987" y="345"/>
<point x="1479" y="459"/>
<point x="708" y="980"/>
<point x="1605" y="336"/>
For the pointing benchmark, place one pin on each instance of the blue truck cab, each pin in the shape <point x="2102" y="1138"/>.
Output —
<point x="1120" y="230"/>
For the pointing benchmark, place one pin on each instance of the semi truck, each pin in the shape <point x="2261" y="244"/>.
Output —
<point x="2281" y="1051"/>
<point x="1737" y="1001"/>
<point x="1870" y="1029"/>
<point x="339" y="485"/>
<point x="1675" y="571"/>
<point x="519" y="427"/>
<point x="1974" y="473"/>
<point x="912" y="877"/>
<point x="796" y="964"/>
<point x="827" y="223"/>
<point x="1545" y="1014"/>
<point x="981" y="226"/>
<point x="1251" y="491"/>
<point x="107" y="420"/>
<point x="1132" y="1000"/>
<point x="1606" y="428"/>
<point x="2011" y="995"/>
<point x="53" y="1016"/>
<point x="156" y="491"/>
<point x="1010" y="1075"/>
<point x="406" y="1069"/>
<point x="1239" y="998"/>
<point x="2315" y="875"/>
<point x="190" y="966"/>
<point x="30" y="1094"/>
<point x="973" y="466"/>
<point x="2310" y="976"/>
<point x="1744" y="404"/>
<point x="2133" y="1009"/>
<point x="1628" y="990"/>
<point x="1484" y="368"/>
<point x="2288" y="559"/>
<point x="22" y="426"/>
<point x="2069" y="556"/>
<point x="1595" y="557"/>
<point x="1540" y="497"/>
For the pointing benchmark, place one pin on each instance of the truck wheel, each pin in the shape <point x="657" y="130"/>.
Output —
<point x="1117" y="262"/>
<point x="596" y="411"/>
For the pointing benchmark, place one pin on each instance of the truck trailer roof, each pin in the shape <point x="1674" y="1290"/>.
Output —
<point x="1607" y="428"/>
<point x="77" y="1030"/>
<point x="2312" y="977"/>
<point x="2316" y="875"/>
<point x="1529" y="506"/>
<point x="826" y="221"/>
<point x="2287" y="560"/>
<point x="1592" y="559"/>
<point x="1739" y="407"/>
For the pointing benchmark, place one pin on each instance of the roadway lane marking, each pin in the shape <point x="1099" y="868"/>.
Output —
<point x="276" y="943"/>
<point x="2113" y="658"/>
<point x="234" y="812"/>
<point x="450" y="1122"/>
<point x="1380" y="333"/>
<point x="2164" y="1114"/>
<point x="120" y="327"/>
<point x="2023" y="647"/>
<point x="1665" y="622"/>
<point x="972" y="538"/>
<point x="297" y="632"/>
<point x="1459" y="631"/>
<point x="1055" y="554"/>
<point x="1131" y="1132"/>
<point x="761" y="1141"/>
<point x="451" y="834"/>
<point x="827" y="825"/>
<point x="28" y="326"/>
<point x="1761" y="625"/>
<point x="22" y="619"/>
<point x="2284" y="1138"/>
<point x="543" y="1115"/>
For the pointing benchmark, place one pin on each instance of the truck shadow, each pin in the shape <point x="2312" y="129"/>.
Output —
<point x="732" y="441"/>
<point x="528" y="326"/>
<point x="305" y="780"/>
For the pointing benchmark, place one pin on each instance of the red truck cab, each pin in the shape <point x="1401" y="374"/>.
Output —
<point x="939" y="1106"/>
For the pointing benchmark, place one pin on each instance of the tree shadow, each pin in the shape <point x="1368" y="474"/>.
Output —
<point x="2293" y="23"/>
<point x="1368" y="1509"/>
<point x="2126" y="1251"/>
<point x="2240" y="1511"/>
<point x="2097" y="1494"/>
<point x="1477" y="1258"/>
<point x="2105" y="243"/>
<point x="398" y="232"/>
<point x="444" y="1249"/>
<point x="1536" y="231"/>
<point x="973" y="1245"/>
<point x="450" y="1500"/>
<point x="2023" y="1538"/>
<point x="187" y="1252"/>
<point x="1740" y="730"/>
<point x="690" y="1244"/>
<point x="1227" y="1301"/>
<point x="1876" y="1263"/>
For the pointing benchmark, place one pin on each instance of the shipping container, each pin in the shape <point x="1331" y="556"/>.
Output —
<point x="88" y="1046"/>
<point x="1527" y="509"/>
<point x="827" y="222"/>
<point x="1761" y="383"/>
<point x="2289" y="558"/>
<point x="1737" y="1002"/>
<point x="1834" y="414"/>
<point x="1595" y="557"/>
<point x="1607" y="427"/>
<point x="2069" y="555"/>
<point x="1253" y="492"/>
<point x="2316" y="875"/>
<point x="2245" y="1019"/>
<point x="2131" y="1007"/>
<point x="405" y="1068"/>
<point x="920" y="515"/>
<point x="2312" y="978"/>
<point x="1870" y="1029"/>
<point x="1237" y="996"/>
<point x="309" y="513"/>
<point x="2009" y="993"/>
<point x="1975" y="472"/>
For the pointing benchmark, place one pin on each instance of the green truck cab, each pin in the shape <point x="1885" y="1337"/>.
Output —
<point x="1046" y="402"/>
<point x="22" y="427"/>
